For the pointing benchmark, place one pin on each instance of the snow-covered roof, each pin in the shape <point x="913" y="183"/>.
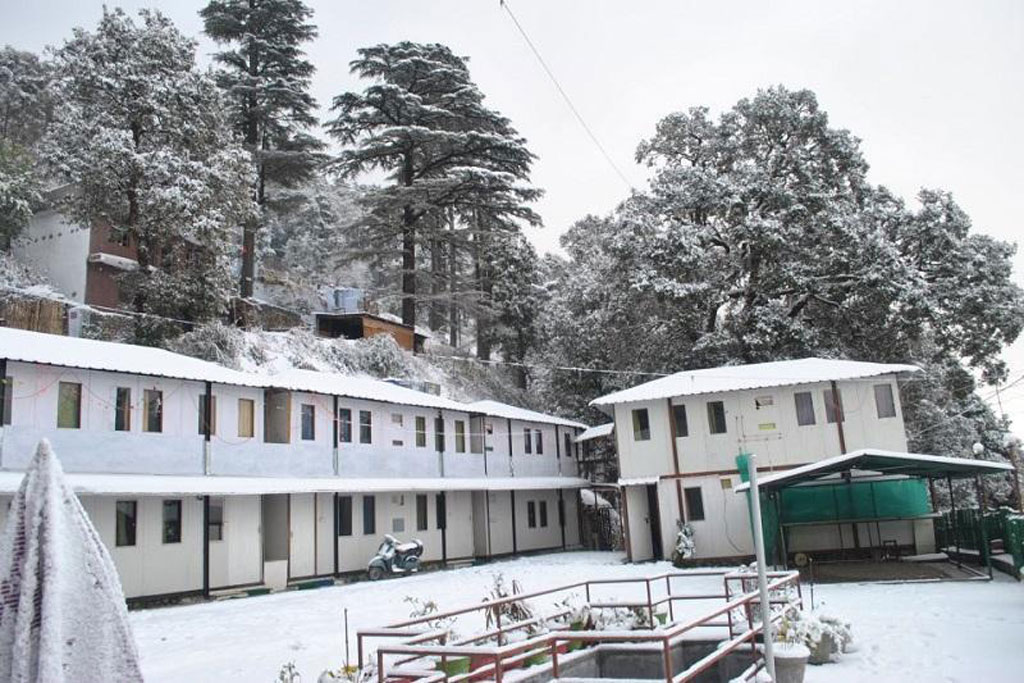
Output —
<point x="498" y="409"/>
<point x="182" y="485"/>
<point x="596" y="432"/>
<point x="114" y="261"/>
<point x="91" y="354"/>
<point x="755" y="376"/>
<point x="355" y="386"/>
<point x="886" y="462"/>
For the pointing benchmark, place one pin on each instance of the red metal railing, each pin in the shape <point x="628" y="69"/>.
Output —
<point x="416" y="656"/>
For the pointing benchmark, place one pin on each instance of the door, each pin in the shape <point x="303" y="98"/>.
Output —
<point x="302" y="544"/>
<point x="654" y="520"/>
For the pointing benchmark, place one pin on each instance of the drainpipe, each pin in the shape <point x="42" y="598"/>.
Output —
<point x="675" y="461"/>
<point x="440" y="452"/>
<point x="558" y="456"/>
<point x="511" y="466"/>
<point x="207" y="427"/>
<point x="206" y="544"/>
<point x="515" y="545"/>
<point x="336" y="529"/>
<point x="561" y="516"/>
<point x="3" y="403"/>
<point x="334" y="456"/>
<point x="837" y="410"/>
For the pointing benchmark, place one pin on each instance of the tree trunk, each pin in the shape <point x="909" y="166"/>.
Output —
<point x="482" y="273"/>
<point x="437" y="274"/>
<point x="453" y="285"/>
<point x="408" y="251"/>
<point x="252" y="135"/>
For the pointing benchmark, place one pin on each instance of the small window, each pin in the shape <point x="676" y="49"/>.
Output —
<point x="125" y="523"/>
<point x="531" y="514"/>
<point x="202" y="414"/>
<point x="246" y="418"/>
<point x="369" y="515"/>
<point x="716" y="417"/>
<point x="421" y="512"/>
<point x="885" y="405"/>
<point x="421" y="431"/>
<point x="439" y="434"/>
<point x="153" y="408"/>
<point x="832" y="404"/>
<point x="172" y="521"/>
<point x="527" y="440"/>
<point x="308" y="422"/>
<point x="123" y="410"/>
<point x="694" y="503"/>
<point x="460" y="436"/>
<point x="398" y="525"/>
<point x="344" y="515"/>
<point x="804" y="408"/>
<point x="344" y="425"/>
<point x="6" y="400"/>
<point x="365" y="426"/>
<point x="441" y="511"/>
<point x="641" y="425"/>
<point x="726" y="483"/>
<point x="543" y="505"/>
<point x="69" y="405"/>
<point x="215" y="519"/>
<point x="679" y="417"/>
<point x="538" y="441"/>
<point x="568" y="445"/>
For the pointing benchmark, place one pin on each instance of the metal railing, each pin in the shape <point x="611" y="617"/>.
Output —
<point x="415" y="657"/>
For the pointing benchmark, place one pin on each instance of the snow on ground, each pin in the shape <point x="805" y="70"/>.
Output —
<point x="926" y="631"/>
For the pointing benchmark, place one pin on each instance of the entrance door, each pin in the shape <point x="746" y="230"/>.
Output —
<point x="302" y="546"/>
<point x="654" y="513"/>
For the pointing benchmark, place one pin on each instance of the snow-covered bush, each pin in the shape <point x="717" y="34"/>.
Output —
<point x="509" y="612"/>
<point x="826" y="636"/>
<point x="685" y="547"/>
<point x="424" y="608"/>
<point x="625" y="619"/>
<point x="214" y="342"/>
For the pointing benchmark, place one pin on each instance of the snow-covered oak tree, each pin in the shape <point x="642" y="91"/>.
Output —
<point x="146" y="140"/>
<point x="423" y="122"/>
<point x="267" y="77"/>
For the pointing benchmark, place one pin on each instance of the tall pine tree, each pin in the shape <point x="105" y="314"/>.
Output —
<point x="267" y="80"/>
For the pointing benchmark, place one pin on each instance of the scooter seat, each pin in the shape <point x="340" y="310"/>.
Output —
<point x="406" y="547"/>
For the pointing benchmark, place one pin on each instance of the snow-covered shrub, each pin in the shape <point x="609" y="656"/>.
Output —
<point x="289" y="674"/>
<point x="214" y="342"/>
<point x="826" y="636"/>
<point x="380" y="356"/>
<point x="349" y="674"/>
<point x="624" y="619"/>
<point x="424" y="608"/>
<point x="509" y="612"/>
<point x="580" y="617"/>
<point x="685" y="547"/>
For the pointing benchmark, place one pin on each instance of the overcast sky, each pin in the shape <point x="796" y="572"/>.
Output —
<point x="934" y="89"/>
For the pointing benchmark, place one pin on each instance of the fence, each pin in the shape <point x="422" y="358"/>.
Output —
<point x="423" y="645"/>
<point x="964" y="530"/>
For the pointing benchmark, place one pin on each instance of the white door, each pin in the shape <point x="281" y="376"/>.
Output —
<point x="302" y="547"/>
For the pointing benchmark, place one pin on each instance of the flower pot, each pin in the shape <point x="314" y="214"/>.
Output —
<point x="790" y="662"/>
<point x="454" y="665"/>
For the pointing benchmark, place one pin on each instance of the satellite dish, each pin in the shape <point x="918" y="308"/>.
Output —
<point x="801" y="559"/>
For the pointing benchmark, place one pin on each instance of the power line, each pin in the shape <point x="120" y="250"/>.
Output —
<point x="565" y="96"/>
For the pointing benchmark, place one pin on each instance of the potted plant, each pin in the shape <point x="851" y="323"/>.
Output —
<point x="790" y="661"/>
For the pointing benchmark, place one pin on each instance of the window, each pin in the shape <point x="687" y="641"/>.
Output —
<point x="543" y="513"/>
<point x="831" y="404"/>
<point x="123" y="410"/>
<point x="679" y="417"/>
<point x="344" y="515"/>
<point x="421" y="512"/>
<point x="365" y="426"/>
<point x="694" y="503"/>
<point x="215" y="519"/>
<point x="369" y="515"/>
<point x="460" y="436"/>
<point x="476" y="434"/>
<point x="6" y="399"/>
<point x="344" y="425"/>
<point x="308" y="422"/>
<point x="439" y="434"/>
<point x="885" y="405"/>
<point x="441" y="511"/>
<point x="531" y="514"/>
<point x="527" y="440"/>
<point x="421" y="431"/>
<point x="277" y="416"/>
<point x="246" y="418"/>
<point x="568" y="444"/>
<point x="764" y="402"/>
<point x="716" y="417"/>
<point x="641" y="425"/>
<point x="726" y="483"/>
<point x="153" y="409"/>
<point x="69" y="405"/>
<point x="172" y="521"/>
<point x="538" y="442"/>
<point x="202" y="414"/>
<point x="804" y="408"/>
<point x="125" y="523"/>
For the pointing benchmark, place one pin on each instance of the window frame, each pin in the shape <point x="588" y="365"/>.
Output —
<point x="527" y="441"/>
<point x="717" y="418"/>
<point x="460" y="436"/>
<point x="6" y="399"/>
<point x="345" y="514"/>
<point x="440" y="511"/>
<point x="830" y="412"/>
<point x="421" y="431"/>
<point x="439" y="435"/>
<point x="531" y="514"/>
<point x="369" y="515"/>
<point x="130" y="527"/>
<point x="542" y="509"/>
<point x="808" y="407"/>
<point x="123" y="409"/>
<point x="175" y="521"/>
<point x="344" y="425"/>
<point x="202" y="415"/>
<point x="307" y="418"/>
<point x="890" y="397"/>
<point x="248" y="411"/>
<point x="422" y="520"/>
<point x="682" y="427"/>
<point x="151" y="398"/>
<point x="69" y="392"/>
<point x="641" y="419"/>
<point x="688" y="493"/>
<point x="366" y="427"/>
<point x="538" y="441"/>
<point x="211" y="524"/>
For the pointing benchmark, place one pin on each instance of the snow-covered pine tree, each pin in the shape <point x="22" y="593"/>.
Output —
<point x="146" y="139"/>
<point x="267" y="79"/>
<point x="423" y="122"/>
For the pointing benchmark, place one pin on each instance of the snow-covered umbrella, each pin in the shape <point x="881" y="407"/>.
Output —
<point x="62" y="611"/>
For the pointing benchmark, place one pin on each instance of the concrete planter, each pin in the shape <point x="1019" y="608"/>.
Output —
<point x="790" y="662"/>
<point x="822" y="651"/>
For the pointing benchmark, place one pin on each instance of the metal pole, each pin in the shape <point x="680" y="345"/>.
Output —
<point x="952" y="514"/>
<point x="762" y="576"/>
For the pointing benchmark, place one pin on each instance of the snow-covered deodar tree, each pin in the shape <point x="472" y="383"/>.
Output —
<point x="267" y="77"/>
<point x="457" y="170"/>
<point x="145" y="138"/>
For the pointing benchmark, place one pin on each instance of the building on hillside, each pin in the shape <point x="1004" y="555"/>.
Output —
<point x="201" y="478"/>
<point x="360" y="325"/>
<point x="682" y="442"/>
